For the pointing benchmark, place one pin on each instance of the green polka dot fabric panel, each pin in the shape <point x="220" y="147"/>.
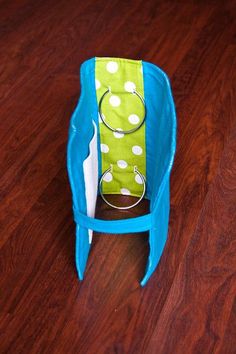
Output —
<point x="122" y="110"/>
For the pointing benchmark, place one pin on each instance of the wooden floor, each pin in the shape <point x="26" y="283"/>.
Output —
<point x="189" y="305"/>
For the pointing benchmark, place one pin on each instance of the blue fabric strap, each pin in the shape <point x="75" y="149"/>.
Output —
<point x="138" y="224"/>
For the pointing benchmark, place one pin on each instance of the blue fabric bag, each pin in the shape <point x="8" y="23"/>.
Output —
<point x="87" y="169"/>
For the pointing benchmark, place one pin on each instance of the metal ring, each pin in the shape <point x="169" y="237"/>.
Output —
<point x="115" y="129"/>
<point x="125" y="207"/>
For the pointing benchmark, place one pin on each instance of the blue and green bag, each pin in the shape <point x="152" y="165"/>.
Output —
<point x="122" y="140"/>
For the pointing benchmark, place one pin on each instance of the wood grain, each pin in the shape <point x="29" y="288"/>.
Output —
<point x="188" y="305"/>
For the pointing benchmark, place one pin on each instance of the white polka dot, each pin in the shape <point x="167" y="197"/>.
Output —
<point x="100" y="119"/>
<point x="108" y="177"/>
<point x="114" y="100"/>
<point x="133" y="119"/>
<point x="130" y="86"/>
<point x="104" y="148"/>
<point x="137" y="150"/>
<point x="122" y="164"/>
<point x="97" y="84"/>
<point x="112" y="67"/>
<point x="125" y="191"/>
<point x="138" y="179"/>
<point x="118" y="135"/>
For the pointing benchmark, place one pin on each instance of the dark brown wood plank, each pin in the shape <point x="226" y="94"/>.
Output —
<point x="201" y="299"/>
<point x="188" y="305"/>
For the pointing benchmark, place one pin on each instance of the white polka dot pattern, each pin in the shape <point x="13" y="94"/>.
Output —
<point x="133" y="119"/>
<point x="118" y="135"/>
<point x="122" y="109"/>
<point x="114" y="101"/>
<point x="137" y="150"/>
<point x="112" y="67"/>
<point x="100" y="119"/>
<point x="122" y="164"/>
<point x="97" y="84"/>
<point x="125" y="191"/>
<point x="108" y="177"/>
<point x="129" y="86"/>
<point x="104" y="148"/>
<point x="138" y="179"/>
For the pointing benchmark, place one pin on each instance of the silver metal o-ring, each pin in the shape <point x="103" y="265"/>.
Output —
<point x="115" y="129"/>
<point x="122" y="207"/>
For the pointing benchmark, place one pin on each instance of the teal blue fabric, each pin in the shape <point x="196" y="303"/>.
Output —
<point x="160" y="150"/>
<point x="138" y="224"/>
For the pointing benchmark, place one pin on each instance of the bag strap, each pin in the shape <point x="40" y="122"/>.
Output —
<point x="137" y="224"/>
